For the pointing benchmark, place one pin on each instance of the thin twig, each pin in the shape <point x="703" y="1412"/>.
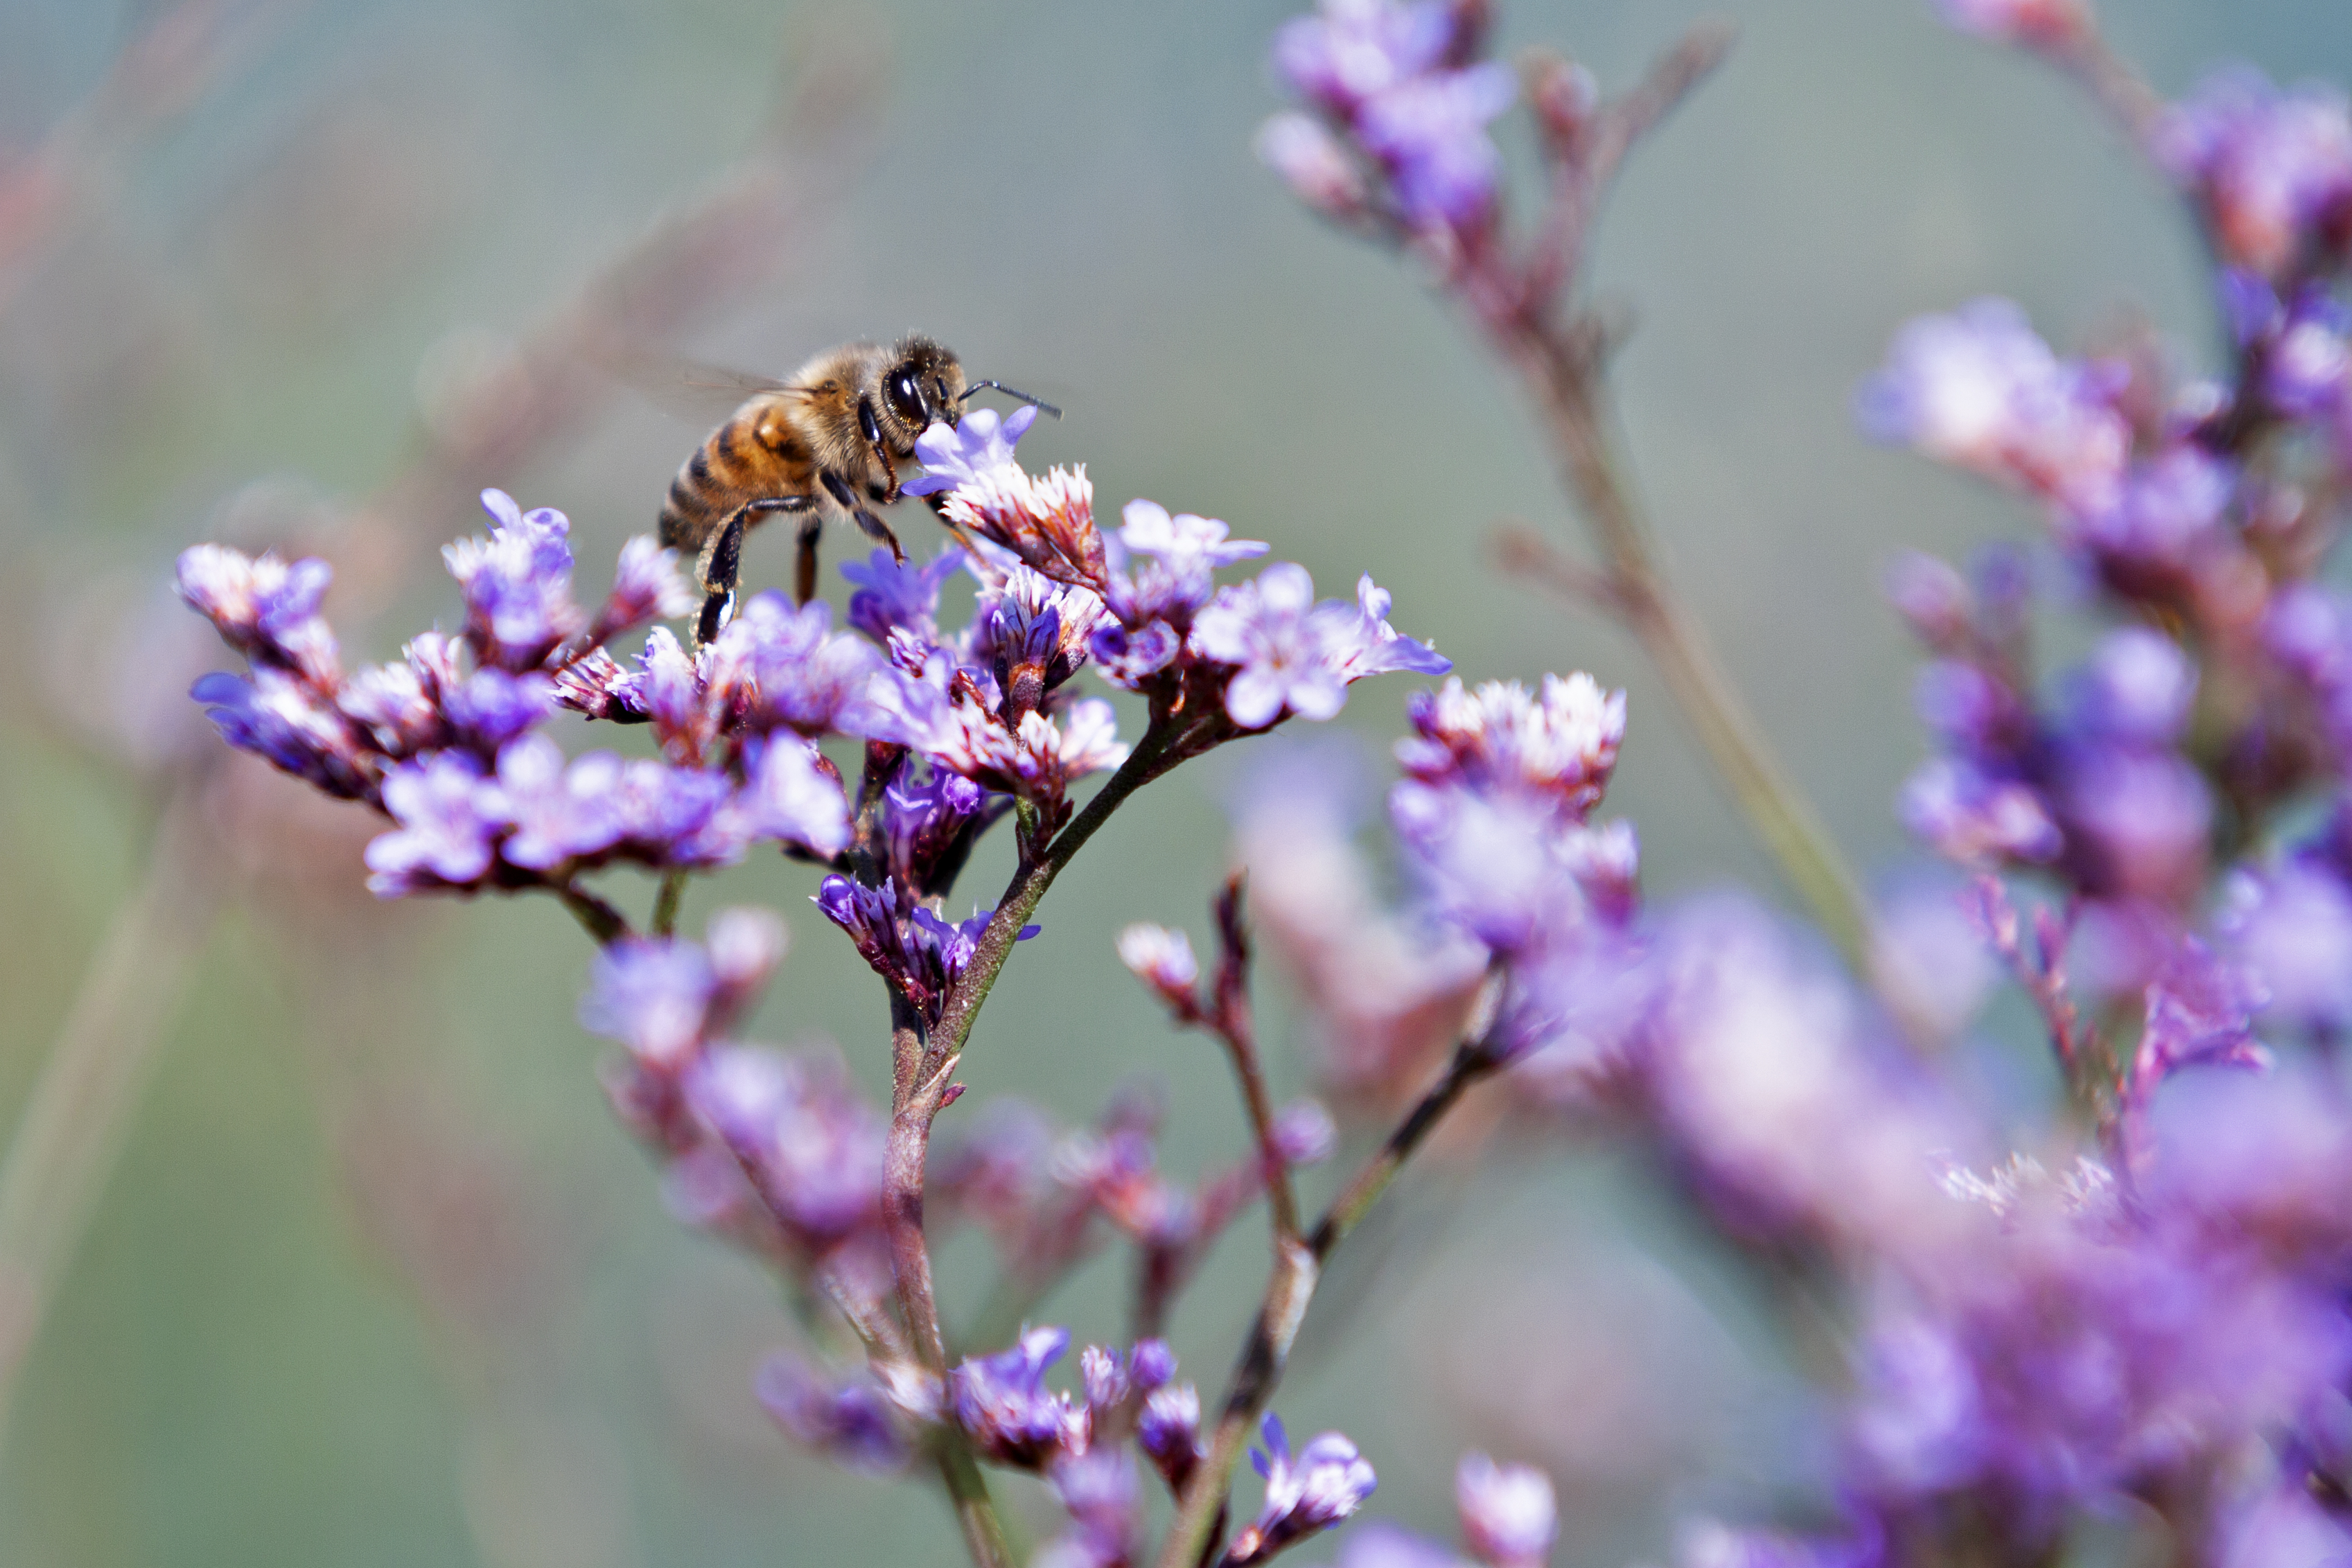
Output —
<point x="604" y="923"/>
<point x="665" y="902"/>
<point x="1287" y="1295"/>
<point x="75" y="1121"/>
<point x="924" y="1061"/>
<point x="1232" y="1023"/>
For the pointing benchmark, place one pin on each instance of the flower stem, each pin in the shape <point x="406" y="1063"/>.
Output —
<point x="1561" y="374"/>
<point x="1287" y="1294"/>
<point x="924" y="1061"/>
<point x="665" y="902"/>
<point x="1145" y="763"/>
<point x="1234" y="1023"/>
<point x="604" y="923"/>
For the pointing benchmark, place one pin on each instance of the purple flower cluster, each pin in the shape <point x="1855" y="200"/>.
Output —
<point x="1143" y="606"/>
<point x="1400" y="106"/>
<point x="1494" y="814"/>
<point x="1306" y="1493"/>
<point x="1080" y="1444"/>
<point x="1980" y="390"/>
<point x="777" y="1150"/>
<point x="445" y="741"/>
<point x="920" y="955"/>
<point x="2271" y="172"/>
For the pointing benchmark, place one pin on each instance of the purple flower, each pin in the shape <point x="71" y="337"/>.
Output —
<point x="561" y="812"/>
<point x="1313" y="163"/>
<point x="1150" y="1365"/>
<point x="930" y="819"/>
<point x="493" y="708"/>
<point x="1169" y="1432"/>
<point x="2283" y="1527"/>
<point x="517" y="583"/>
<point x="2292" y="929"/>
<point x="1509" y="1514"/>
<point x="1966" y="708"/>
<point x="1323" y="1485"/>
<point x="671" y="689"/>
<point x="1560" y="745"/>
<point x="1292" y="656"/>
<point x="1003" y="1406"/>
<point x="1163" y="959"/>
<point x="597" y="686"/>
<point x="895" y="597"/>
<point x="1045" y="522"/>
<point x="1792" y="1112"/>
<point x="849" y="1421"/>
<point x="654" y="996"/>
<point x="1302" y="1133"/>
<point x="1979" y="389"/>
<point x="1431" y="135"/>
<point x="2136" y="689"/>
<point x="1128" y="659"/>
<point x="980" y="442"/>
<point x="1103" y="1497"/>
<point x="1184" y="542"/>
<point x="802" y="1133"/>
<point x="1491" y="865"/>
<point x="279" y="717"/>
<point x="400" y="705"/>
<point x="2135" y="819"/>
<point x="448" y="832"/>
<point x="778" y="667"/>
<point x="1176" y="575"/>
<point x="903" y="942"/>
<point x="681" y="817"/>
<point x="1037" y="760"/>
<point x="1977" y="818"/>
<point x="1351" y="51"/>
<point x="791" y="798"/>
<point x="2069" y="1354"/>
<point x="2163" y="523"/>
<point x="1032" y="632"/>
<point x="647" y="586"/>
<point x="2274" y="171"/>
<point x="2306" y="366"/>
<point x="1369" y="645"/>
<point x="265" y="608"/>
<point x="2200" y="1012"/>
<point x="1706" y="1544"/>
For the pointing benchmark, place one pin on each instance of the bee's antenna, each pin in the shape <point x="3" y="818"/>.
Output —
<point x="1036" y="403"/>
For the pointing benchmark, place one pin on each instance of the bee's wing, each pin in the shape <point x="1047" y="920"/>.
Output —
<point x="704" y="395"/>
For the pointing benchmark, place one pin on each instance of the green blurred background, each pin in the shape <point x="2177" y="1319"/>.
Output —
<point x="374" y="1279"/>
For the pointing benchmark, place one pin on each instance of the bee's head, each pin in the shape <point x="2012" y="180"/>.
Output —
<point x="923" y="386"/>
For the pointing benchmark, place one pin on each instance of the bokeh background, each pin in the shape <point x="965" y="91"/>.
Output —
<point x="366" y="1275"/>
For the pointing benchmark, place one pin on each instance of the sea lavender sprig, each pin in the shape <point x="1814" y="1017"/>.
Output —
<point x="1393" y="143"/>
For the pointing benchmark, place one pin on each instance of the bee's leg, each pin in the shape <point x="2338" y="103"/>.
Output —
<point x="721" y="568"/>
<point x="838" y="488"/>
<point x="804" y="571"/>
<point x="872" y="428"/>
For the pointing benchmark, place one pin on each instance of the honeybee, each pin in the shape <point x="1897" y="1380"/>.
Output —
<point x="831" y="439"/>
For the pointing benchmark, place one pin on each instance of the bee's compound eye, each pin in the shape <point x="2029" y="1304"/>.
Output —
<point x="907" y="399"/>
